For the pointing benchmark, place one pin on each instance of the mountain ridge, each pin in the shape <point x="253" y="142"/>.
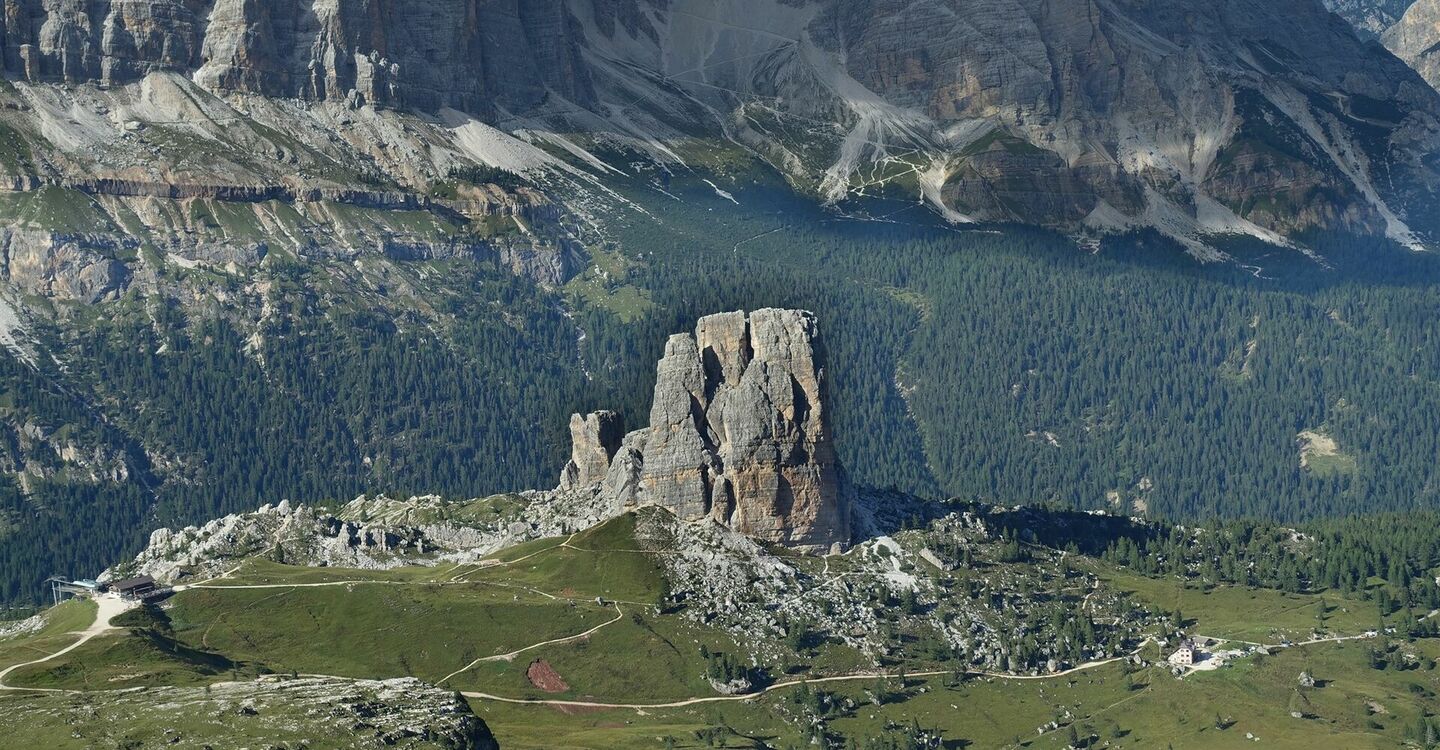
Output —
<point x="1086" y="117"/>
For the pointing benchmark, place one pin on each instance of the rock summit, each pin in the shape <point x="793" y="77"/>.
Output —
<point x="739" y="434"/>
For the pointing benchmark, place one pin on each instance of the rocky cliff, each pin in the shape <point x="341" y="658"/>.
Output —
<point x="594" y="439"/>
<point x="1370" y="17"/>
<point x="739" y="434"/>
<point x="1198" y="119"/>
<point x="1416" y="39"/>
<point x="1258" y="117"/>
<point x="472" y="55"/>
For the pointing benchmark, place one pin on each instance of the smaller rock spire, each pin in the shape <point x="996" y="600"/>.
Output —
<point x="594" y="439"/>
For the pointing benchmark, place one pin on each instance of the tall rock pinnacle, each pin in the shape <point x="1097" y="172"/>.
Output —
<point x="738" y="434"/>
<point x="594" y="438"/>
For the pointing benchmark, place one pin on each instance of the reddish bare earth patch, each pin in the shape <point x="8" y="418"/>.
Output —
<point x="544" y="676"/>
<point x="582" y="710"/>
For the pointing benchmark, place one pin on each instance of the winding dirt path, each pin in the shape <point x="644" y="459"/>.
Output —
<point x="787" y="684"/>
<point x="511" y="656"/>
<point x="107" y="608"/>
<point x="1192" y="669"/>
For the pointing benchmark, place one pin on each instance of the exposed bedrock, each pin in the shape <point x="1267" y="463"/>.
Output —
<point x="1416" y="39"/>
<point x="466" y="54"/>
<point x="594" y="439"/>
<point x="738" y="434"/>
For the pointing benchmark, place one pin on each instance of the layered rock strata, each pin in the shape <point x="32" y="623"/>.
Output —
<point x="739" y="434"/>
<point x="1195" y="117"/>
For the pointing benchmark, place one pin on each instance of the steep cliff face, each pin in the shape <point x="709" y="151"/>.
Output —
<point x="594" y="439"/>
<point x="1370" y="17"/>
<point x="1416" y="39"/>
<point x="1077" y="113"/>
<point x="738" y="434"/>
<point x="1259" y="117"/>
<point x="465" y="54"/>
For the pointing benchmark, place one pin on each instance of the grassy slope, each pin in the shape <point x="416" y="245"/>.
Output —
<point x="376" y="630"/>
<point x="70" y="617"/>
<point x="642" y="658"/>
<point x="1154" y="711"/>
<point x="604" y="561"/>
<point x="192" y="719"/>
<point x="1255" y="615"/>
<point x="430" y="630"/>
<point x="130" y="659"/>
<point x="58" y="723"/>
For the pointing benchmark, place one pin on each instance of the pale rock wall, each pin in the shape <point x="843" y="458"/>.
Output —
<point x="464" y="54"/>
<point x="1416" y="39"/>
<point x="1371" y="18"/>
<point x="1052" y="112"/>
<point x="78" y="267"/>
<point x="594" y="439"/>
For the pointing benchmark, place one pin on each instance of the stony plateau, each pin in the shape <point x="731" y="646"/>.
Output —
<point x="350" y="714"/>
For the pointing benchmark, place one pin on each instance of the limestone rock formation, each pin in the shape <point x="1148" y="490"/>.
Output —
<point x="1371" y="18"/>
<point x="466" y="54"/>
<point x="738" y="434"/>
<point x="368" y="533"/>
<point x="594" y="439"/>
<point x="1196" y="117"/>
<point x="1416" y="39"/>
<point x="79" y="267"/>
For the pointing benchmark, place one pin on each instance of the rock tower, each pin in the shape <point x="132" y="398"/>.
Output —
<point x="739" y="433"/>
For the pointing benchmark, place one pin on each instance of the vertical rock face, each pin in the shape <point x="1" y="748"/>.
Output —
<point x="679" y="462"/>
<point x="1416" y="39"/>
<point x="1369" y="17"/>
<point x="465" y="54"/>
<point x="738" y="434"/>
<point x="1196" y="117"/>
<point x="781" y="479"/>
<point x="594" y="439"/>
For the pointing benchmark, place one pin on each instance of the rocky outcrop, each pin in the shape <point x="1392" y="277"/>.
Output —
<point x="594" y="439"/>
<point x="367" y="533"/>
<point x="545" y="263"/>
<point x="290" y="711"/>
<point x="738" y="434"/>
<point x="362" y="535"/>
<point x="1416" y="39"/>
<point x="76" y="267"/>
<point x="1370" y="17"/>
